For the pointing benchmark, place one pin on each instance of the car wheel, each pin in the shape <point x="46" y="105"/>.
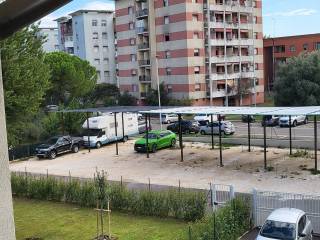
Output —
<point x="53" y="154"/>
<point x="168" y="122"/>
<point x="305" y="121"/>
<point x="203" y="132"/>
<point x="125" y="139"/>
<point x="173" y="143"/>
<point x="75" y="148"/>
<point x="294" y="124"/>
<point x="154" y="148"/>
<point x="98" y="145"/>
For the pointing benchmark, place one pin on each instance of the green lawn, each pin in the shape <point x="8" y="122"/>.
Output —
<point x="53" y="221"/>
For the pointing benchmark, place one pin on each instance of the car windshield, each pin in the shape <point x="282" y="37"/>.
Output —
<point x="278" y="230"/>
<point x="91" y="132"/>
<point x="52" y="141"/>
<point x="151" y="136"/>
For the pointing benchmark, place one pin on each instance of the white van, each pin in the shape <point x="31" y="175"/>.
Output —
<point x="101" y="129"/>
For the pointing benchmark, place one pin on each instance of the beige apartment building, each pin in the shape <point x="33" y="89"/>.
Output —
<point x="209" y="51"/>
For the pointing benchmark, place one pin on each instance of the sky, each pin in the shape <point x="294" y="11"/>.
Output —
<point x="280" y="17"/>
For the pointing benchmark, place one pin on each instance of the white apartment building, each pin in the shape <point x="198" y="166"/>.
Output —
<point x="51" y="34"/>
<point x="89" y="34"/>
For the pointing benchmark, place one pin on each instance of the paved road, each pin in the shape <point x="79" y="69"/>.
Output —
<point x="302" y="136"/>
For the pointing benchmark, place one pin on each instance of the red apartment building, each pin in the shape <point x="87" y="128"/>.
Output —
<point x="277" y="50"/>
<point x="209" y="51"/>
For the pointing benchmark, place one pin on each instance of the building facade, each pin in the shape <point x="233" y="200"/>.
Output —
<point x="51" y="34"/>
<point x="209" y="51"/>
<point x="89" y="34"/>
<point x="277" y="50"/>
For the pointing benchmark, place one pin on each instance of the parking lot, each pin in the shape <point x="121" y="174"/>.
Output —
<point x="242" y="169"/>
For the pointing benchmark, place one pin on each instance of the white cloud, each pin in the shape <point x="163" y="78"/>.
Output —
<point x="293" y="13"/>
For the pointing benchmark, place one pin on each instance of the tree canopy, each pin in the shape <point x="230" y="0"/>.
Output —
<point x="298" y="81"/>
<point x="25" y="79"/>
<point x="71" y="78"/>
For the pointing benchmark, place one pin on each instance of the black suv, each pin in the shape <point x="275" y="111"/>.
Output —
<point x="186" y="127"/>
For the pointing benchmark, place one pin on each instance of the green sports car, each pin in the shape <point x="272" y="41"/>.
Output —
<point x="156" y="140"/>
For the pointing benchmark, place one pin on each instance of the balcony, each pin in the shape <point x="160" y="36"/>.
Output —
<point x="232" y="6"/>
<point x="141" y="30"/>
<point x="142" y="13"/>
<point x="144" y="78"/>
<point x="143" y="46"/>
<point x="144" y="63"/>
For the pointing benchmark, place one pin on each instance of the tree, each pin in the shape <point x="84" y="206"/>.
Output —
<point x="71" y="78"/>
<point x="152" y="98"/>
<point x="127" y="100"/>
<point x="105" y="94"/>
<point x="25" y="78"/>
<point x="298" y="81"/>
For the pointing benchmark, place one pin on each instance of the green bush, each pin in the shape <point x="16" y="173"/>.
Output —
<point x="229" y="222"/>
<point x="183" y="204"/>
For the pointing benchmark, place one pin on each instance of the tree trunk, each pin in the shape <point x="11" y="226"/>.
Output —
<point x="7" y="229"/>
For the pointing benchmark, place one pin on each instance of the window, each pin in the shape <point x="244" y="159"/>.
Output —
<point x="94" y="23"/>
<point x="197" y="87"/>
<point x="133" y="72"/>
<point x="134" y="88"/>
<point x="167" y="37"/>
<point x="197" y="70"/>
<point x="103" y="23"/>
<point x="130" y="10"/>
<point x="165" y="3"/>
<point x="104" y="35"/>
<point x="194" y="1"/>
<point x="256" y="51"/>
<point x="255" y="35"/>
<point x="255" y="19"/>
<point x="168" y="54"/>
<point x="98" y="75"/>
<point x="166" y="19"/>
<point x="195" y="17"/>
<point x="97" y="61"/>
<point x="132" y="41"/>
<point x="169" y="87"/>
<point x="168" y="71"/>
<point x="305" y="47"/>
<point x="196" y="35"/>
<point x="317" y="46"/>
<point x="105" y="59"/>
<point x="96" y="49"/>
<point x="95" y="35"/>
<point x="131" y="26"/>
<point x="280" y="49"/>
<point x="256" y="66"/>
<point x="105" y="49"/>
<point x="292" y="48"/>
<point x="106" y="74"/>
<point x="302" y="224"/>
<point x="133" y="57"/>
<point x="196" y="52"/>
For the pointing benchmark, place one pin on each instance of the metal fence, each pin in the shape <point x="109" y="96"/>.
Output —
<point x="265" y="202"/>
<point x="22" y="151"/>
<point x="220" y="195"/>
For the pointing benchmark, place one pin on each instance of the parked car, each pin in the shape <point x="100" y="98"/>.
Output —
<point x="140" y="117"/>
<point x="295" y="120"/>
<point x="169" y="118"/>
<point x="207" y="117"/>
<point x="248" y="118"/>
<point x="186" y="127"/>
<point x="142" y="127"/>
<point x="57" y="145"/>
<point x="227" y="128"/>
<point x="270" y="120"/>
<point x="156" y="140"/>
<point x="288" y="224"/>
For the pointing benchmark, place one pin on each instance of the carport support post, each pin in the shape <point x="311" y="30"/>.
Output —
<point x="122" y="119"/>
<point x="180" y="138"/>
<point x="315" y="145"/>
<point x="265" y="145"/>
<point x="249" y="134"/>
<point x="290" y="135"/>
<point x="88" y="127"/>
<point x="212" y="139"/>
<point x="116" y="132"/>
<point x="147" y="135"/>
<point x="220" y="141"/>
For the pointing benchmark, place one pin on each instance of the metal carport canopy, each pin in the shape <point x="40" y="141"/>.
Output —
<point x="281" y="111"/>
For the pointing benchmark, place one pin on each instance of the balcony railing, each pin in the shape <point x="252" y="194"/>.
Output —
<point x="144" y="78"/>
<point x="143" y="46"/>
<point x="142" y="13"/>
<point x="140" y="30"/>
<point x="144" y="62"/>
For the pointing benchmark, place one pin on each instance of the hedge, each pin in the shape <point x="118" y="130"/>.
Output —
<point x="179" y="204"/>
<point x="229" y="222"/>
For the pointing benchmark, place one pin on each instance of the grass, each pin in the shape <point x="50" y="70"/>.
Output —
<point x="53" y="221"/>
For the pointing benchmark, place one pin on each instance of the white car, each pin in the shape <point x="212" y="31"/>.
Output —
<point x="227" y="128"/>
<point x="169" y="118"/>
<point x="295" y="120"/>
<point x="207" y="117"/>
<point x="287" y="224"/>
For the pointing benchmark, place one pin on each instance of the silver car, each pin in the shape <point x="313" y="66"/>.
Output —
<point x="288" y="224"/>
<point x="169" y="118"/>
<point x="227" y="128"/>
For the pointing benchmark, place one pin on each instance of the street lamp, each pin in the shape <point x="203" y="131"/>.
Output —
<point x="158" y="86"/>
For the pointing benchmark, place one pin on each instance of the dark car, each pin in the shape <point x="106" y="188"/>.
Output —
<point x="270" y="121"/>
<point x="248" y="118"/>
<point x="57" y="145"/>
<point x="142" y="127"/>
<point x="186" y="127"/>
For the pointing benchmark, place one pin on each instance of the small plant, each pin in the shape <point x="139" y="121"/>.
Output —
<point x="270" y="169"/>
<point x="300" y="153"/>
